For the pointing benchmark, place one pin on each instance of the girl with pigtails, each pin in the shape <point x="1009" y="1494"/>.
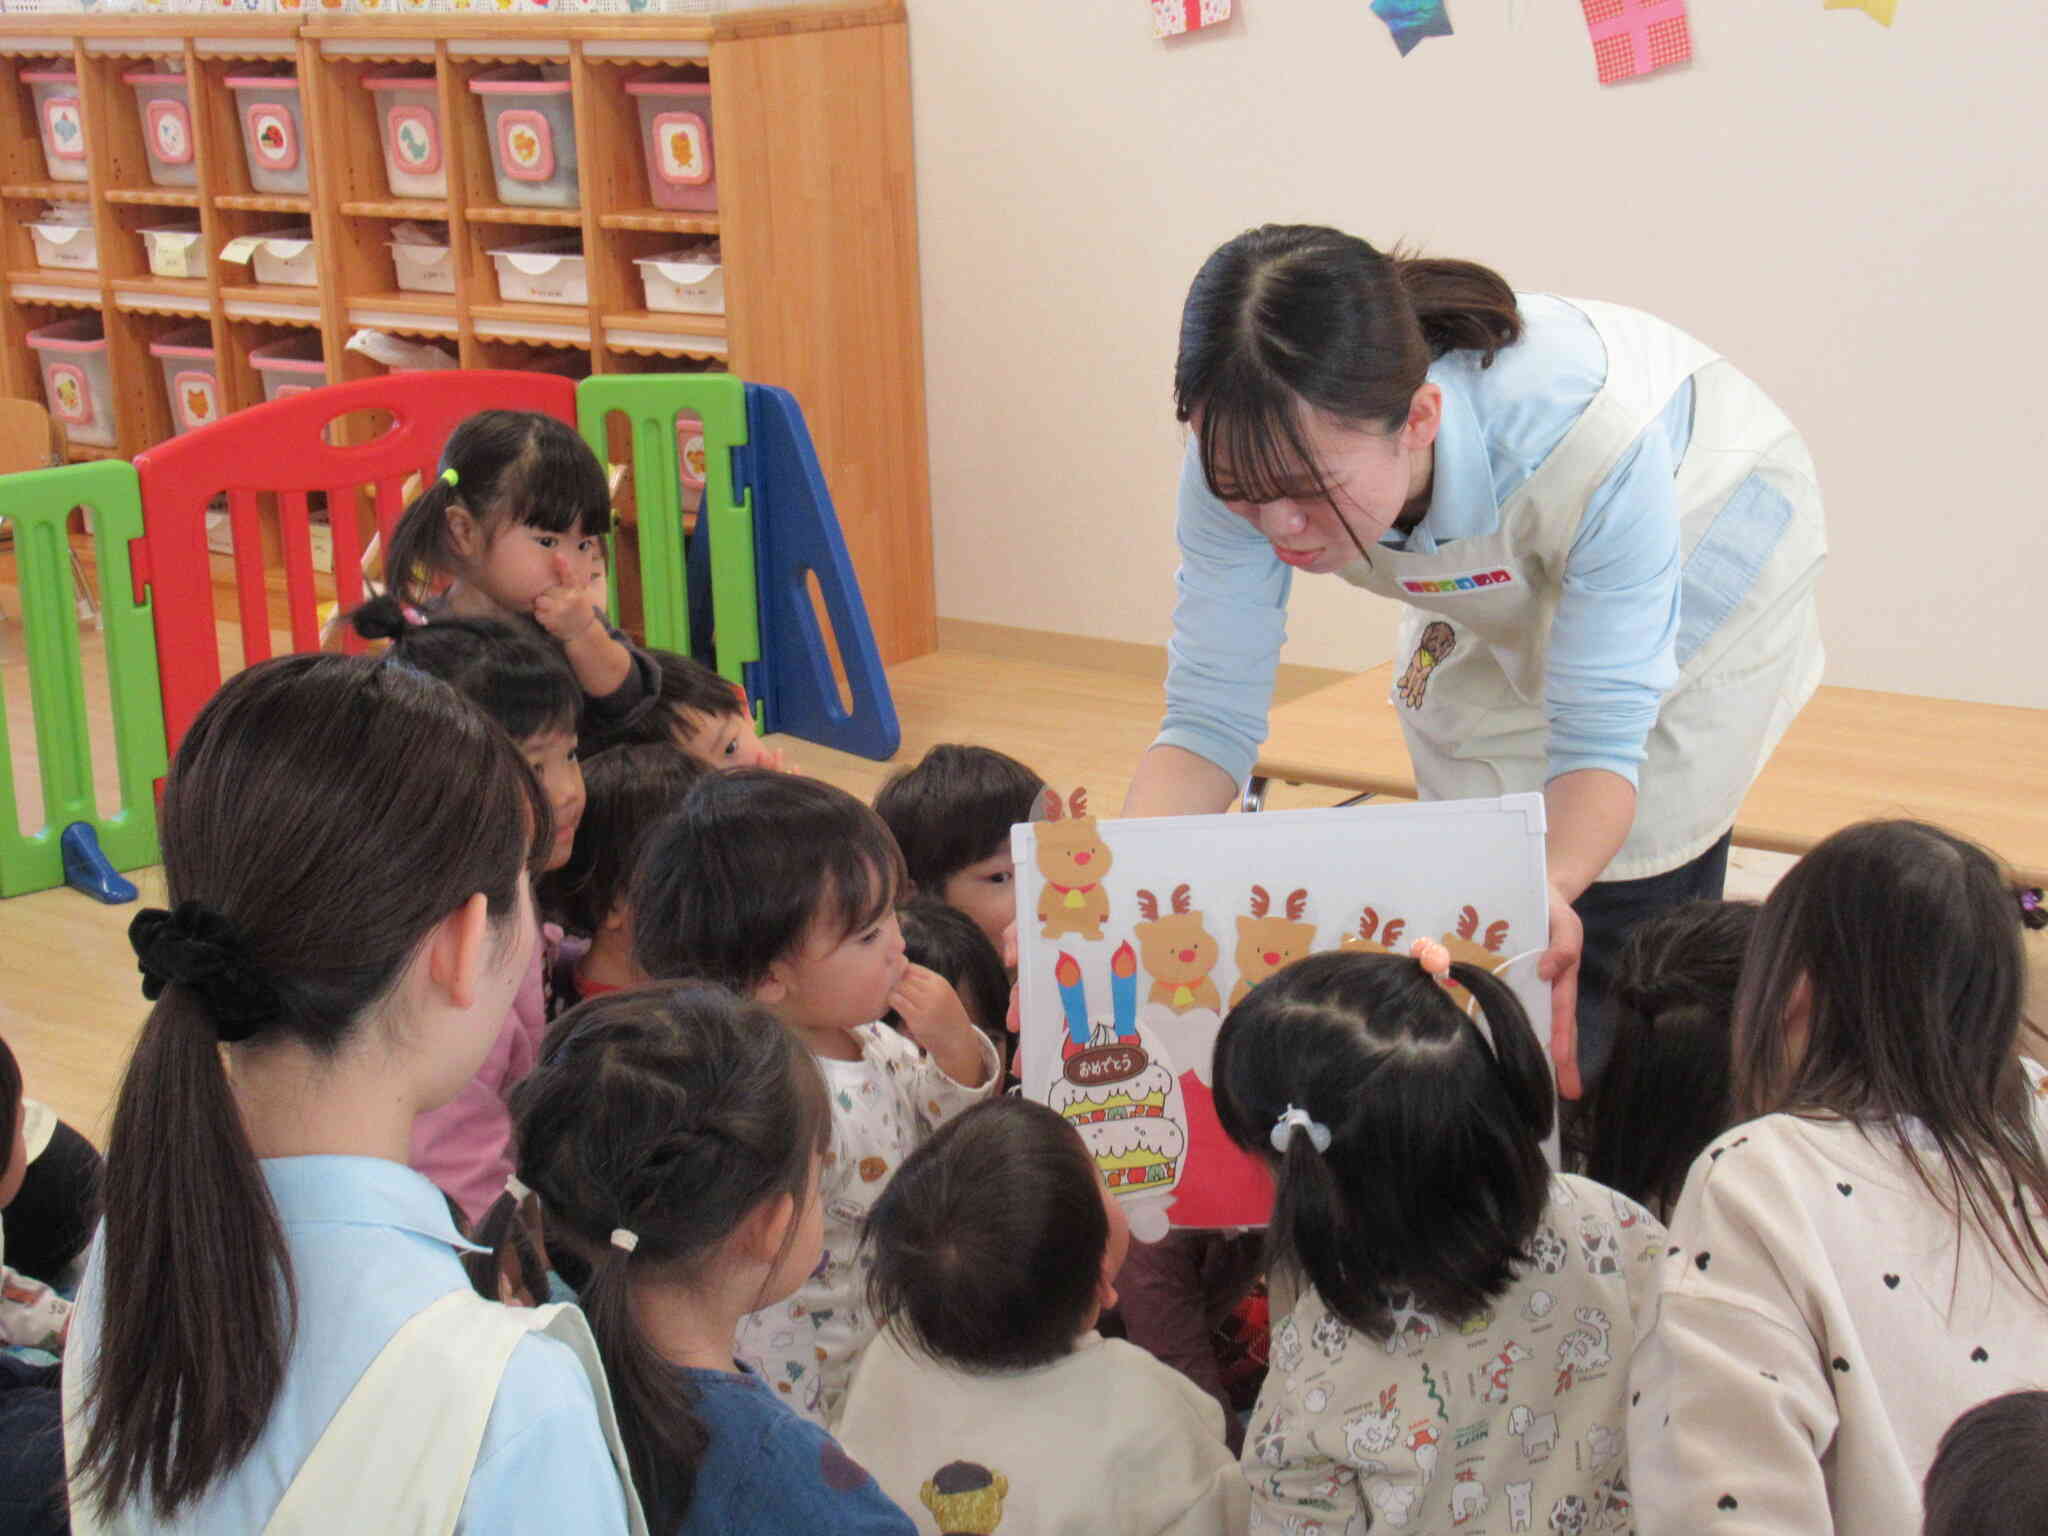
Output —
<point x="1462" y="1318"/>
<point x="274" y="1324"/>
<point x="675" y="1138"/>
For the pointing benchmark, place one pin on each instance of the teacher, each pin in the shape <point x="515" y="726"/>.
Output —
<point x="1606" y="539"/>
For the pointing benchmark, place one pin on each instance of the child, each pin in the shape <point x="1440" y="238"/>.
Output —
<point x="673" y="1137"/>
<point x="514" y="523"/>
<point x="627" y="791"/>
<point x="32" y="1316"/>
<point x="1990" y="1476"/>
<point x="521" y="682"/>
<point x="951" y="815"/>
<point x="996" y="1248"/>
<point x="1664" y="1095"/>
<point x="1863" y="1259"/>
<point x="946" y="941"/>
<point x="1465" y="1317"/>
<point x="335" y="960"/>
<point x="704" y="714"/>
<point x="784" y="889"/>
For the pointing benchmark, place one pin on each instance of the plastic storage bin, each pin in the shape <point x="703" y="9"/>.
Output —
<point x="70" y="247"/>
<point x="164" y="99"/>
<point x="532" y="129"/>
<point x="542" y="272"/>
<point x="675" y="134"/>
<point x="423" y="268"/>
<point x="283" y="256"/>
<point x="77" y="382"/>
<point x="175" y="250"/>
<point x="689" y="281"/>
<point x="61" y="121"/>
<point x="289" y="367"/>
<point x="273" y="131"/>
<point x="191" y="376"/>
<point x="409" y="123"/>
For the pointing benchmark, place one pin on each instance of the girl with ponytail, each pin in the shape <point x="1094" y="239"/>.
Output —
<point x="1605" y="540"/>
<point x="274" y="1322"/>
<point x="674" y="1137"/>
<point x="1463" y="1316"/>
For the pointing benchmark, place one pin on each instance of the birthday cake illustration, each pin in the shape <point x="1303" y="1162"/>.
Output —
<point x="1120" y="1092"/>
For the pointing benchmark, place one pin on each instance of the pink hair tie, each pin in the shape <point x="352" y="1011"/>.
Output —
<point x="1432" y="957"/>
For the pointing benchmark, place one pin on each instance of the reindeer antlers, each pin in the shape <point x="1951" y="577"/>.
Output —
<point x="1180" y="899"/>
<point x="1261" y="902"/>
<point x="1368" y="920"/>
<point x="1053" y="809"/>
<point x="1468" y="922"/>
<point x="1077" y="803"/>
<point x="1496" y="935"/>
<point x="1297" y="903"/>
<point x="1148" y="906"/>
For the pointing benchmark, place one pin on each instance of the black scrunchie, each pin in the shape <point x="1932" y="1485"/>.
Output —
<point x="199" y="948"/>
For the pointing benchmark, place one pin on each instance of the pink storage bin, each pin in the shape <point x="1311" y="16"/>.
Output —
<point x="273" y="130"/>
<point x="164" y="100"/>
<point x="60" y="120"/>
<point x="409" y="124"/>
<point x="191" y="376"/>
<point x="289" y="367"/>
<point x="531" y="126"/>
<point x="675" y="137"/>
<point x="77" y="383"/>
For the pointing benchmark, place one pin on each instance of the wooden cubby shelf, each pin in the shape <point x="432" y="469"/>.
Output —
<point x="815" y="217"/>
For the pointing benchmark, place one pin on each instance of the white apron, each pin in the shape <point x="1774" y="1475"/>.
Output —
<point x="1469" y="673"/>
<point x="396" y="1458"/>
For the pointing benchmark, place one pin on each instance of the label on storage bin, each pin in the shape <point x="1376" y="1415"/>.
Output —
<point x="534" y="265"/>
<point x="197" y="397"/>
<point x="690" y="457"/>
<point x="284" y="250"/>
<point x="526" y="144"/>
<point x="685" y="274"/>
<point x="70" y="396"/>
<point x="273" y="136"/>
<point x="170" y="132"/>
<point x="415" y="146"/>
<point x="170" y="254"/>
<point x="63" y="128"/>
<point x="681" y="156"/>
<point x="241" y="248"/>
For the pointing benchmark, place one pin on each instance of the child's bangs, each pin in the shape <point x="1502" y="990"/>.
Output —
<point x="534" y="701"/>
<point x="563" y="489"/>
<point x="865" y="875"/>
<point x="1253" y="444"/>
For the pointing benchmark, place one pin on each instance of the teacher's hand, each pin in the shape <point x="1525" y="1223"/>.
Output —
<point x="1560" y="967"/>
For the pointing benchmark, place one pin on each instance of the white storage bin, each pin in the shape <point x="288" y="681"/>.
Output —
<point x="409" y="124"/>
<point x="531" y="126"/>
<point x="283" y="256"/>
<point x="423" y="268"/>
<point x="542" y="272"/>
<point x="289" y="367"/>
<point x="164" y="100"/>
<point x="60" y="120"/>
<point x="77" y="383"/>
<point x="690" y="282"/>
<point x="70" y="247"/>
<point x="175" y="250"/>
<point x="273" y="130"/>
<point x="191" y="376"/>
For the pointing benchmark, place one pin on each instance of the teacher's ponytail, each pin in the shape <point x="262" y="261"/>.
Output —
<point x="1460" y="305"/>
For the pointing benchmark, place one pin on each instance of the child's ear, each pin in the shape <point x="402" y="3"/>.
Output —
<point x="766" y="1228"/>
<point x="1105" y="1285"/>
<point x="464" y="533"/>
<point x="775" y="986"/>
<point x="619" y="920"/>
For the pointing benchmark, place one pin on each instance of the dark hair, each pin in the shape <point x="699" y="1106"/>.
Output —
<point x="333" y="810"/>
<point x="1902" y="939"/>
<point x="1979" y="1484"/>
<point x="515" y="1251"/>
<point x="517" y="674"/>
<point x="991" y="1284"/>
<point x="955" y="808"/>
<point x="673" y="1112"/>
<point x="946" y="940"/>
<point x="510" y="467"/>
<point x="627" y="791"/>
<point x="1293" y="315"/>
<point x="1435" y="1180"/>
<point x="691" y="693"/>
<point x="10" y="1103"/>
<point x="735" y="879"/>
<point x="1664" y="1094"/>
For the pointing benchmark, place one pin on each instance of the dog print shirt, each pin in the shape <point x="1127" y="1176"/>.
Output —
<point x="1509" y="1420"/>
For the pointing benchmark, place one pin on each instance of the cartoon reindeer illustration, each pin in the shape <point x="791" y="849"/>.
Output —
<point x="1373" y="937"/>
<point x="1465" y="945"/>
<point x="1178" y="953"/>
<point x="1073" y="858"/>
<point x="1266" y="943"/>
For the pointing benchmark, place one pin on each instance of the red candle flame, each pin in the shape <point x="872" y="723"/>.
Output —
<point x="1124" y="962"/>
<point x="1067" y="972"/>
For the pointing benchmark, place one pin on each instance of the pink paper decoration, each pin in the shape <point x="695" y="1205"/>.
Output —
<point x="1170" y="18"/>
<point x="1634" y="37"/>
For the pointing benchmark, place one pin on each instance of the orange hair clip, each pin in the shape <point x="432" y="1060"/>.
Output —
<point x="1432" y="957"/>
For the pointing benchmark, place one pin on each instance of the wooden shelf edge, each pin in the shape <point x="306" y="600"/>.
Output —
<point x="265" y="202"/>
<point x="398" y="208"/>
<point x="63" y="276"/>
<point x="156" y="197"/>
<point x="509" y="213"/>
<point x="666" y="221"/>
<point x="48" y="191"/>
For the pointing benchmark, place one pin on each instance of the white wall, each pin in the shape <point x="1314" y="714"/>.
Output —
<point x="1855" y="216"/>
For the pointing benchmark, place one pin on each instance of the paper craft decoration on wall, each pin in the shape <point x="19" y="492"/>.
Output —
<point x="1635" y="37"/>
<point x="1170" y="18"/>
<point x="1412" y="20"/>
<point x="1130" y="1067"/>
<point x="1879" y="11"/>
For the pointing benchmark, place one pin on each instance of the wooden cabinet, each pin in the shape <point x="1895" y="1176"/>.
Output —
<point x="816" y="218"/>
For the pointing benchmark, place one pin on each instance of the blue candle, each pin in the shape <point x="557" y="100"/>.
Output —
<point x="1073" y="999"/>
<point x="1123" y="991"/>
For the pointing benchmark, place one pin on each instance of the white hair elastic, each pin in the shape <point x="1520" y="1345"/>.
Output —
<point x="625" y="1239"/>
<point x="1284" y="1127"/>
<point x="515" y="1189"/>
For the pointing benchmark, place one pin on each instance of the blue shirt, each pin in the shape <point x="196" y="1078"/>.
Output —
<point x="1612" y="643"/>
<point x="371" y="1244"/>
<point x="768" y="1471"/>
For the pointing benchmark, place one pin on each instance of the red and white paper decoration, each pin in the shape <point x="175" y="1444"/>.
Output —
<point x="1170" y="18"/>
<point x="1635" y="37"/>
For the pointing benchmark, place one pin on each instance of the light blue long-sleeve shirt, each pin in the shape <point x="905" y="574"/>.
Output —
<point x="1611" y="656"/>
<point x="371" y="1244"/>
